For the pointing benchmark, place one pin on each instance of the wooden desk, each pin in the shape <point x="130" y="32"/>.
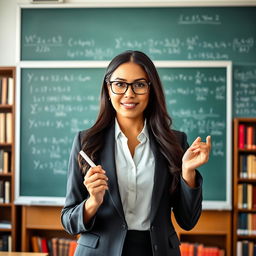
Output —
<point x="23" y="254"/>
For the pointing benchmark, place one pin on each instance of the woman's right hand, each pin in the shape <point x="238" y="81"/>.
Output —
<point x="96" y="183"/>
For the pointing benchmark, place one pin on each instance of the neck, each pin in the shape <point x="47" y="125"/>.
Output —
<point x="130" y="126"/>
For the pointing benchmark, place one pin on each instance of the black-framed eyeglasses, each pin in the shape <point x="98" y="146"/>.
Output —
<point x="138" y="87"/>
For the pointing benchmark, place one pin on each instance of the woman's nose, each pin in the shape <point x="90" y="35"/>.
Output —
<point x="129" y="92"/>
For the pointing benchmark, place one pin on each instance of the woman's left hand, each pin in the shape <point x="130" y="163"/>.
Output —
<point x="196" y="155"/>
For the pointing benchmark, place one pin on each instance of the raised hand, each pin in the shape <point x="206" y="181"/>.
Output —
<point x="196" y="155"/>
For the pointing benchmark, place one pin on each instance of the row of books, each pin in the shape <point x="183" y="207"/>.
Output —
<point x="189" y="249"/>
<point x="246" y="196"/>
<point x="6" y="90"/>
<point x="246" y="248"/>
<point x="247" y="167"/>
<point x="5" y="242"/>
<point x="6" y="128"/>
<point x="5" y="191"/>
<point x="5" y="161"/>
<point x="246" y="136"/>
<point x="246" y="224"/>
<point x="54" y="246"/>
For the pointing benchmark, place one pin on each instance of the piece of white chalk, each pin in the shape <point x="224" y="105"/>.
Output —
<point x="87" y="159"/>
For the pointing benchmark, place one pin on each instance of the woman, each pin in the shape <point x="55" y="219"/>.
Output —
<point x="123" y="205"/>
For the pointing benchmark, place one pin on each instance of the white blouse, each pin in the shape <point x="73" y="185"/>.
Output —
<point x="135" y="177"/>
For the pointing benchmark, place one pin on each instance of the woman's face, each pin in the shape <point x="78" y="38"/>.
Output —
<point x="129" y="105"/>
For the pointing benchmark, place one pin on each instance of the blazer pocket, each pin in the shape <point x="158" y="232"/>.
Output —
<point x="89" y="239"/>
<point x="174" y="240"/>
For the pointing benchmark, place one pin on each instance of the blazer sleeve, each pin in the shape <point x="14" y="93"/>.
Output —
<point x="72" y="214"/>
<point x="187" y="205"/>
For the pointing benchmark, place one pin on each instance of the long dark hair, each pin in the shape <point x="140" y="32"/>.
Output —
<point x="158" y="121"/>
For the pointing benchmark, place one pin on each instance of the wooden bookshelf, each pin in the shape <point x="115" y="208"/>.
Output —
<point x="8" y="211"/>
<point x="237" y="152"/>
<point x="41" y="221"/>
<point x="213" y="229"/>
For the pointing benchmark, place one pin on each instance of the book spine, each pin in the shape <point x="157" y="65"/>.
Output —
<point x="10" y="90"/>
<point x="1" y="191"/>
<point x="7" y="193"/>
<point x="241" y="136"/>
<point x="249" y="137"/>
<point x="4" y="90"/>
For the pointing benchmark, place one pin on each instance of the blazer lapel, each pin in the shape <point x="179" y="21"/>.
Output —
<point x="109" y="165"/>
<point x="160" y="177"/>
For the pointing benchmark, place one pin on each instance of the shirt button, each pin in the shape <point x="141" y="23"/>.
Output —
<point x="155" y="247"/>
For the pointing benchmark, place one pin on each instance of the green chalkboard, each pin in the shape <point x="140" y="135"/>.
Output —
<point x="56" y="103"/>
<point x="68" y="35"/>
<point x="222" y="33"/>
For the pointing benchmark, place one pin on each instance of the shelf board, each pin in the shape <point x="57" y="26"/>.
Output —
<point x="246" y="180"/>
<point x="6" y="107"/>
<point x="247" y="210"/>
<point x="246" y="237"/>
<point x="5" y="205"/>
<point x="206" y="233"/>
<point x="46" y="227"/>
<point x="5" y="144"/>
<point x="9" y="174"/>
<point x="245" y="120"/>
<point x="246" y="150"/>
<point x="5" y="230"/>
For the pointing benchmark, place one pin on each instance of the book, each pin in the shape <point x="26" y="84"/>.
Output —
<point x="249" y="196"/>
<point x="9" y="132"/>
<point x="4" y="90"/>
<point x="9" y="243"/>
<point x="244" y="196"/>
<point x="55" y="251"/>
<point x="5" y="243"/>
<point x="254" y="197"/>
<point x="44" y="245"/>
<point x="245" y="248"/>
<point x="72" y="248"/>
<point x="239" y="251"/>
<point x="35" y="243"/>
<point x="10" y="91"/>
<point x="241" y="132"/>
<point x="249" y="137"/>
<point x="2" y="127"/>
<point x="1" y="90"/>
<point x="6" y="161"/>
<point x="1" y="160"/>
<point x="7" y="192"/>
<point x="240" y="196"/>
<point x="1" y="191"/>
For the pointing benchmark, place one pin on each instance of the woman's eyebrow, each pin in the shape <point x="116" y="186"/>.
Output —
<point x="122" y="79"/>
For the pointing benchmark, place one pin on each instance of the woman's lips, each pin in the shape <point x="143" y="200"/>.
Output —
<point x="129" y="105"/>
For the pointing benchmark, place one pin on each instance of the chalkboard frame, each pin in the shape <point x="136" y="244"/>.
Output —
<point x="59" y="201"/>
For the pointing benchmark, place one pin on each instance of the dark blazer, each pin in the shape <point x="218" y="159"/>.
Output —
<point x="105" y="234"/>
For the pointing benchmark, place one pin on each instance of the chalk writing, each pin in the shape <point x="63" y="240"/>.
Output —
<point x="245" y="91"/>
<point x="194" y="47"/>
<point x="199" y="19"/>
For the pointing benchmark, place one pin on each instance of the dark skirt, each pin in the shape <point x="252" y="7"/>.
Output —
<point x="137" y="243"/>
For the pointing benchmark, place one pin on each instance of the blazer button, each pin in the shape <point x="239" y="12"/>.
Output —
<point x="152" y="228"/>
<point x="123" y="226"/>
<point x="155" y="247"/>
